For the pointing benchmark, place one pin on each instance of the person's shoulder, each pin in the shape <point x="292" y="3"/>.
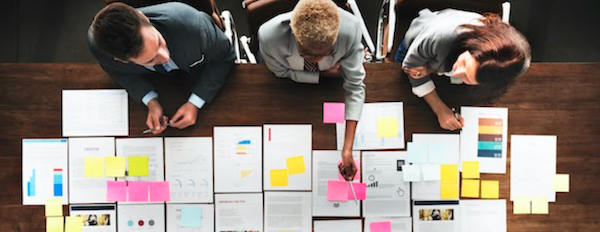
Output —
<point x="349" y="26"/>
<point x="275" y="29"/>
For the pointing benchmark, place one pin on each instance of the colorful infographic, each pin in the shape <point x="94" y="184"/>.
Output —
<point x="490" y="138"/>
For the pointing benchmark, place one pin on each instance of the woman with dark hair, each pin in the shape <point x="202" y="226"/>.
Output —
<point x="474" y="49"/>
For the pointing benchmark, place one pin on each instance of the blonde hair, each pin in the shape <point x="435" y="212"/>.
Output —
<point x="315" y="23"/>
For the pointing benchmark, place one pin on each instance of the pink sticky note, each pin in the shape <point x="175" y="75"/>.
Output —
<point x="116" y="191"/>
<point x="337" y="190"/>
<point x="159" y="191"/>
<point x="138" y="191"/>
<point x="357" y="165"/>
<point x="333" y="112"/>
<point x="385" y="226"/>
<point x="360" y="190"/>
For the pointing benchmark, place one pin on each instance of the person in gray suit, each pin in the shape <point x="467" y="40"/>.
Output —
<point x="164" y="39"/>
<point x="319" y="39"/>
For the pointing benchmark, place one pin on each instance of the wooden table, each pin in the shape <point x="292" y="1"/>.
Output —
<point x="551" y="99"/>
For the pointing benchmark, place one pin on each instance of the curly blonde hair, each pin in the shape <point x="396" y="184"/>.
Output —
<point x="315" y="23"/>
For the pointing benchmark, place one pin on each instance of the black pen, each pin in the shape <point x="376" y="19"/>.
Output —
<point x="148" y="131"/>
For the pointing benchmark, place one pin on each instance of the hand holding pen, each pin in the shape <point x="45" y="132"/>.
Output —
<point x="342" y="170"/>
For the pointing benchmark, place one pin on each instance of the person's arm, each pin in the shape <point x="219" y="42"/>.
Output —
<point x="348" y="166"/>
<point x="445" y="115"/>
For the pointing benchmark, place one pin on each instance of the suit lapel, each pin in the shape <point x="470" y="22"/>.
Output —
<point x="294" y="59"/>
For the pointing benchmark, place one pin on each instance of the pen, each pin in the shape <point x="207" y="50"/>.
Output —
<point x="353" y="193"/>
<point x="148" y="131"/>
<point x="456" y="116"/>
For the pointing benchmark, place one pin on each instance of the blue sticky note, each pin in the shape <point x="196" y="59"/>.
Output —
<point x="439" y="153"/>
<point x="417" y="153"/>
<point x="191" y="216"/>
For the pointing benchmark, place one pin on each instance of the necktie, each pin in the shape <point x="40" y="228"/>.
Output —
<point x="160" y="69"/>
<point x="311" y="66"/>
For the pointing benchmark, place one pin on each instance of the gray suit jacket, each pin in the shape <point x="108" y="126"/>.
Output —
<point x="279" y="51"/>
<point x="196" y="44"/>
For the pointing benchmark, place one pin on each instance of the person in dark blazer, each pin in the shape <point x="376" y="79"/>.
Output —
<point x="164" y="39"/>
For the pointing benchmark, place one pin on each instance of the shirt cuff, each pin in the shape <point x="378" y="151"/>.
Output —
<point x="424" y="89"/>
<point x="197" y="101"/>
<point x="149" y="96"/>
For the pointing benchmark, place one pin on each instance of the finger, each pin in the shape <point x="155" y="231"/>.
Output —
<point x="156" y="122"/>
<point x="177" y="119"/>
<point x="164" y="121"/>
<point x="462" y="121"/>
<point x="149" y="122"/>
<point x="455" y="124"/>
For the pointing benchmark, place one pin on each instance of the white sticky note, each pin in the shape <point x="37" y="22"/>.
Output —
<point x="431" y="172"/>
<point x="411" y="173"/>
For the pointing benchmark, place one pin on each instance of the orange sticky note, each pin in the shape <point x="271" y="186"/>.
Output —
<point x="490" y="189"/>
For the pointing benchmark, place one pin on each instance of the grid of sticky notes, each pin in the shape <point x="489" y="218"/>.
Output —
<point x="56" y="222"/>
<point x="294" y="165"/>
<point x="340" y="190"/>
<point x="471" y="185"/>
<point x="425" y="160"/>
<point x="98" y="167"/>
<point x="530" y="205"/>
<point x="138" y="191"/>
<point x="449" y="181"/>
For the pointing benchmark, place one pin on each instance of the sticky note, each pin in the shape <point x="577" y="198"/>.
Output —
<point x="561" y="183"/>
<point x="245" y="173"/>
<point x="191" y="217"/>
<point x="411" y="173"/>
<point x="356" y="165"/>
<point x="333" y="112"/>
<point x="431" y="172"/>
<point x="539" y="205"/>
<point x="470" y="188"/>
<point x="470" y="170"/>
<point x="490" y="189"/>
<point x="384" y="226"/>
<point x="449" y="172"/>
<point x="417" y="153"/>
<point x="439" y="152"/>
<point x="279" y="177"/>
<point x="73" y="224"/>
<point x="449" y="190"/>
<point x="138" y="191"/>
<point x="55" y="224"/>
<point x="115" y="166"/>
<point x="159" y="191"/>
<point x="521" y="205"/>
<point x="337" y="190"/>
<point x="360" y="189"/>
<point x="387" y="127"/>
<point x="54" y="207"/>
<point x="138" y="166"/>
<point x="116" y="191"/>
<point x="295" y="165"/>
<point x="93" y="167"/>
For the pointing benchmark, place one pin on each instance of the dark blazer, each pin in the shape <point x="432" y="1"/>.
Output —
<point x="196" y="44"/>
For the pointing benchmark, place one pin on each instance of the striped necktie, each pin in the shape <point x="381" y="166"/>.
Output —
<point x="311" y="66"/>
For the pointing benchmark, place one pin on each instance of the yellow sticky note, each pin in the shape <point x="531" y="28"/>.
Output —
<point x="115" y="166"/>
<point x="449" y="191"/>
<point x="55" y="224"/>
<point x="138" y="166"/>
<point x="521" y="205"/>
<point x="93" y="167"/>
<point x="279" y="177"/>
<point x="539" y="205"/>
<point x="449" y="172"/>
<point x="470" y="170"/>
<point x="490" y="189"/>
<point x="54" y="207"/>
<point x="561" y="183"/>
<point x="295" y="165"/>
<point x="387" y="127"/>
<point x="470" y="188"/>
<point x="73" y="224"/>
<point x="245" y="173"/>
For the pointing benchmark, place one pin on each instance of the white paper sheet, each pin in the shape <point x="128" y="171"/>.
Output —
<point x="44" y="171"/>
<point x="399" y="224"/>
<point x="238" y="159"/>
<point x="479" y="144"/>
<point x="95" y="113"/>
<point x="366" y="137"/>
<point x="189" y="169"/>
<point x="174" y="218"/>
<point x="151" y="147"/>
<point x="137" y="218"/>
<point x="283" y="142"/>
<point x="85" y="189"/>
<point x="239" y="212"/>
<point x="288" y="211"/>
<point x="430" y="190"/>
<point x="483" y="215"/>
<point x="338" y="226"/>
<point x="436" y="216"/>
<point x="533" y="166"/>
<point x="97" y="218"/>
<point x="325" y="167"/>
<point x="387" y="194"/>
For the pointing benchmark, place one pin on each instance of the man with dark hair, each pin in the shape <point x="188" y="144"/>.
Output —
<point x="130" y="43"/>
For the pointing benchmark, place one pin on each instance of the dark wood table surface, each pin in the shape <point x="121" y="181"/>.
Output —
<point x="560" y="99"/>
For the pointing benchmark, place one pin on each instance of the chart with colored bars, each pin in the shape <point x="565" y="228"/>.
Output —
<point x="243" y="147"/>
<point x="31" y="185"/>
<point x="490" y="138"/>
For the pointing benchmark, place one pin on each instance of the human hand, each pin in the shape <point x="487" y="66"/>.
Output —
<point x="333" y="71"/>
<point x="347" y="168"/>
<point x="449" y="121"/>
<point x="156" y="120"/>
<point x="418" y="72"/>
<point x="186" y="116"/>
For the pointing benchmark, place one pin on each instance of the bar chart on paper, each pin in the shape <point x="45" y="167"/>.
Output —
<point x="490" y="137"/>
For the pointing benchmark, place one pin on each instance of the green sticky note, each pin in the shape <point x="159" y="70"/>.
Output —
<point x="295" y="165"/>
<point x="115" y="166"/>
<point x="279" y="178"/>
<point x="55" y="224"/>
<point x="94" y="167"/>
<point x="54" y="207"/>
<point x="449" y="172"/>
<point x="539" y="205"/>
<point x="387" y="127"/>
<point x="490" y="189"/>
<point x="521" y="205"/>
<point x="561" y="183"/>
<point x="138" y="166"/>
<point x="470" y="170"/>
<point x="73" y="224"/>
<point x="470" y="188"/>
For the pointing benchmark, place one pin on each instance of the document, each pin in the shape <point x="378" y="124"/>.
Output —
<point x="239" y="212"/>
<point x="325" y="168"/>
<point x="137" y="218"/>
<point x="88" y="189"/>
<point x="288" y="147"/>
<point x="533" y="166"/>
<point x="44" y="171"/>
<point x="381" y="127"/>
<point x="205" y="220"/>
<point x="436" y="216"/>
<point x="95" y="113"/>
<point x="189" y="169"/>
<point x="288" y="211"/>
<point x="483" y="215"/>
<point x="431" y="189"/>
<point x="398" y="224"/>
<point x="484" y="138"/>
<point x="387" y="194"/>
<point x="238" y="159"/>
<point x="150" y="147"/>
<point x="96" y="218"/>
<point x="354" y="225"/>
